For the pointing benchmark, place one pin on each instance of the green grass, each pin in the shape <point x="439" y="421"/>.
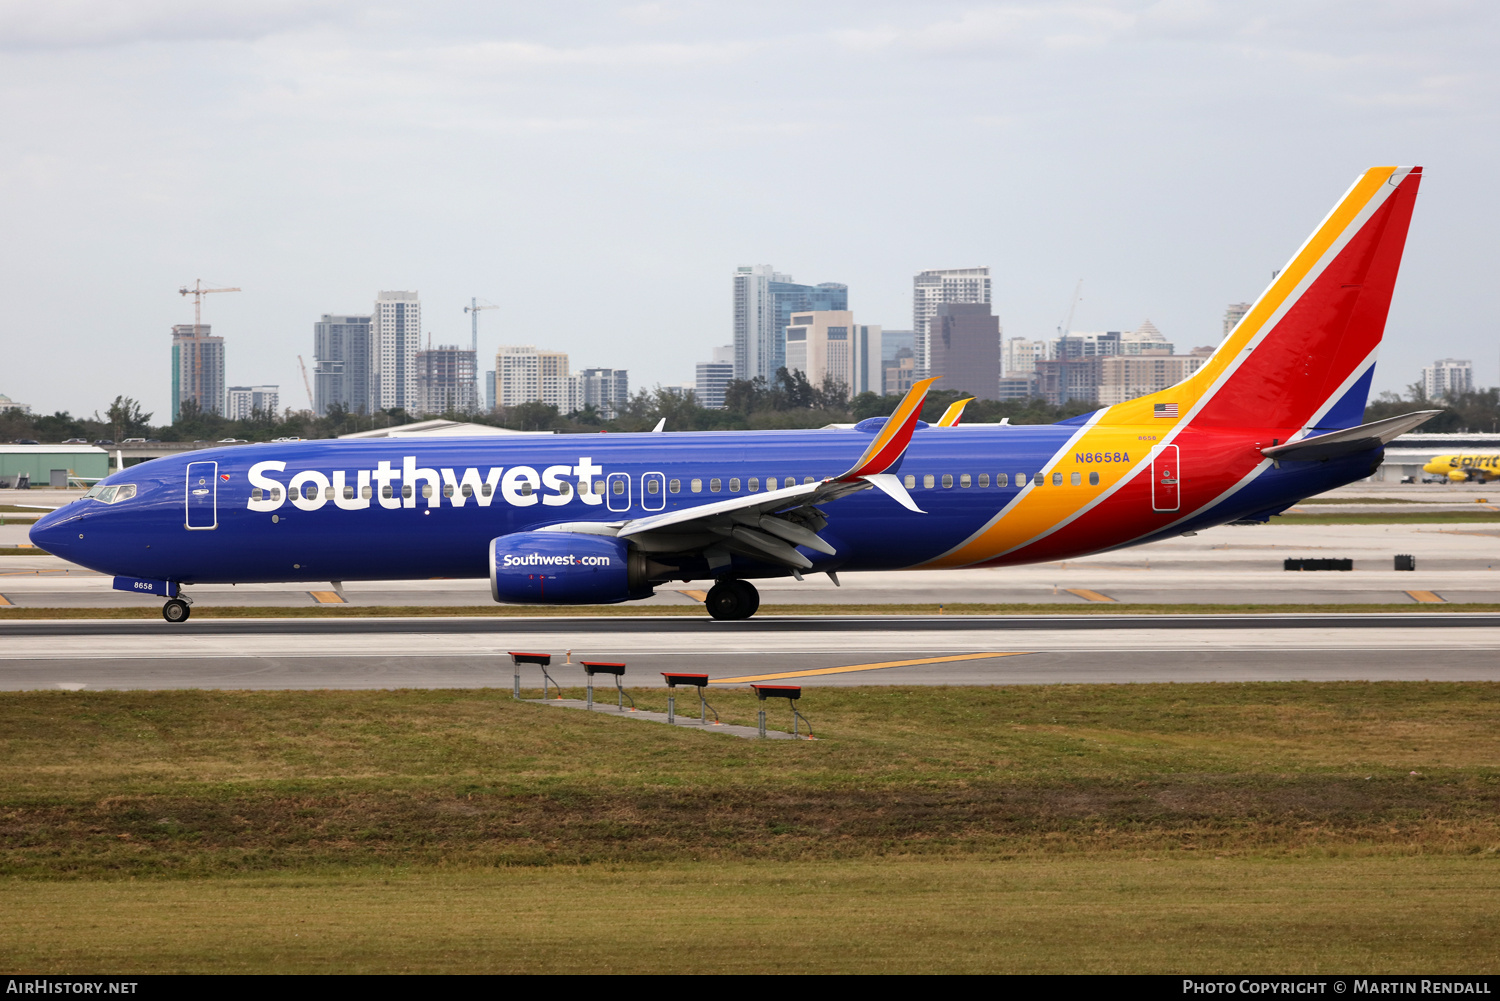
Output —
<point x="1134" y="827"/>
<point x="902" y="915"/>
<point x="312" y="611"/>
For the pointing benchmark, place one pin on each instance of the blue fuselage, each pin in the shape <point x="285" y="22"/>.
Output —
<point x="401" y="509"/>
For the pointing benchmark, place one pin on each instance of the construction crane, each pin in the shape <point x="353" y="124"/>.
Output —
<point x="473" y="309"/>
<point x="1066" y="327"/>
<point x="198" y="292"/>
<point x="307" y="385"/>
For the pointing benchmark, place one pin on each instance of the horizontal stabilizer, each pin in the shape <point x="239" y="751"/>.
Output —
<point x="1348" y="441"/>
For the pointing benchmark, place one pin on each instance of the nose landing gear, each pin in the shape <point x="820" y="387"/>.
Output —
<point x="177" y="610"/>
<point x="729" y="600"/>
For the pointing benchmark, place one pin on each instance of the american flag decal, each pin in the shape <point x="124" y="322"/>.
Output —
<point x="1168" y="410"/>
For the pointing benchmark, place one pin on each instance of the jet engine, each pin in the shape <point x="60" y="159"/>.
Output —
<point x="564" y="568"/>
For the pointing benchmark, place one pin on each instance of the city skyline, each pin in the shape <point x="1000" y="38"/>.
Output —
<point x="1170" y="154"/>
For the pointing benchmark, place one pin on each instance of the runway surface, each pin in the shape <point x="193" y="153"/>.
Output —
<point x="1456" y="562"/>
<point x="813" y="651"/>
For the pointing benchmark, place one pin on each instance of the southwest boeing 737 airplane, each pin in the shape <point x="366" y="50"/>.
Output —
<point x="1273" y="417"/>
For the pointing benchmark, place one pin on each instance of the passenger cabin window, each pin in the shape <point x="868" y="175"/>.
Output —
<point x="1076" y="478"/>
<point x="385" y="491"/>
<point x="715" y="485"/>
<point x="984" y="480"/>
<point x="806" y="480"/>
<point x="734" y="484"/>
<point x="1020" y="480"/>
<point x="947" y="479"/>
<point x="696" y="486"/>
<point x="966" y="480"/>
<point x="653" y="485"/>
<point x="1057" y="479"/>
<point x="675" y="486"/>
<point x="754" y="484"/>
<point x="1093" y="479"/>
<point x="619" y="488"/>
<point x="911" y="482"/>
<point x="929" y="481"/>
<point x="254" y="494"/>
<point x="467" y="490"/>
<point x="565" y="488"/>
<point x="365" y="492"/>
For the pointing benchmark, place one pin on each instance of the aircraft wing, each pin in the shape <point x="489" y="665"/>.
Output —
<point x="770" y="525"/>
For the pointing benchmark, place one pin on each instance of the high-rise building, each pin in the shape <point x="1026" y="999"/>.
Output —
<point x="931" y="289"/>
<point x="607" y="390"/>
<point x="897" y="361"/>
<point x="1125" y="377"/>
<point x="1145" y="340"/>
<point x="1078" y="344"/>
<point x="900" y="372"/>
<point x="1233" y="315"/>
<point x="1062" y="380"/>
<point x="713" y="377"/>
<point x="341" y="364"/>
<point x="396" y="336"/>
<point x="1019" y="356"/>
<point x="828" y="344"/>
<point x="489" y="390"/>
<point x="244" y="402"/>
<point x="1447" y="378"/>
<point x="764" y="301"/>
<point x="963" y="341"/>
<point x="197" y="369"/>
<point x="523" y="374"/>
<point x="445" y="381"/>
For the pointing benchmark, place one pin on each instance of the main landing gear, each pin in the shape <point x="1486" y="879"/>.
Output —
<point x="176" y="610"/>
<point x="732" y="599"/>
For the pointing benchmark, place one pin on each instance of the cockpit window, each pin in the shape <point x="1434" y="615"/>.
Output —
<point x="112" y="494"/>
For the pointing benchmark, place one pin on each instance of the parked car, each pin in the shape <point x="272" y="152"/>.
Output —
<point x="76" y="441"/>
<point x="286" y="439"/>
<point x="231" y="441"/>
<point x="104" y="441"/>
<point x="135" y="441"/>
<point x="27" y="441"/>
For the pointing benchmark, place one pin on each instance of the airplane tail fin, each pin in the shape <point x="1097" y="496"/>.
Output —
<point x="1304" y="355"/>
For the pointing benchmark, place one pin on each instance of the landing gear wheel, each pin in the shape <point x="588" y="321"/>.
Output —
<point x="176" y="610"/>
<point x="729" y="600"/>
<point x="752" y="596"/>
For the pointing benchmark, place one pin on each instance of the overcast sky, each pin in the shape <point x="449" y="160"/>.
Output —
<point x="599" y="169"/>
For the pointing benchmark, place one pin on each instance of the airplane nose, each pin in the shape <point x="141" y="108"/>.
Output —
<point x="57" y="532"/>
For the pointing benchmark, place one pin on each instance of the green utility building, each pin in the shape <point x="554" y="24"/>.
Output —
<point x="51" y="465"/>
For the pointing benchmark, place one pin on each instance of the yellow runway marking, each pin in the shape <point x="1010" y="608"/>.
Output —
<point x="1426" y="597"/>
<point x="698" y="596"/>
<point x="1088" y="595"/>
<point x="4" y="600"/>
<point x="327" y="597"/>
<point x="862" y="667"/>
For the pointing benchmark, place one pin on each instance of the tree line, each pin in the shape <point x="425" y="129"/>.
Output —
<point x="786" y="401"/>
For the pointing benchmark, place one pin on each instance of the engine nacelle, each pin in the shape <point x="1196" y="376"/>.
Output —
<point x="564" y="568"/>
